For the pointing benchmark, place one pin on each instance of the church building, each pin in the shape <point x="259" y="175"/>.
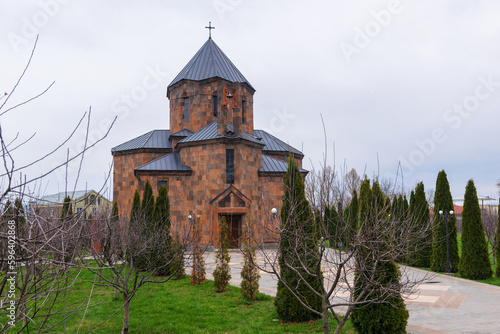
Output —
<point x="212" y="160"/>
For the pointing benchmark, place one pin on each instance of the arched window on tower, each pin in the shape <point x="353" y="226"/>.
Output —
<point x="214" y="98"/>
<point x="230" y="166"/>
<point x="186" y="109"/>
<point x="243" y="111"/>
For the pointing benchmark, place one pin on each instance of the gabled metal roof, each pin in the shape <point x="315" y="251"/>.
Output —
<point x="227" y="191"/>
<point x="153" y="139"/>
<point x="210" y="132"/>
<point x="272" y="165"/>
<point x="183" y="133"/>
<point x="274" y="144"/>
<point x="170" y="162"/>
<point x="210" y="62"/>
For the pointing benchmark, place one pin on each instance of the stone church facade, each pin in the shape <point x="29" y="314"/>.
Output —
<point x="212" y="160"/>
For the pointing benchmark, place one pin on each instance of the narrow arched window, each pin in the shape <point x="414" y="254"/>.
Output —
<point x="243" y="112"/>
<point x="230" y="166"/>
<point x="214" y="98"/>
<point x="186" y="109"/>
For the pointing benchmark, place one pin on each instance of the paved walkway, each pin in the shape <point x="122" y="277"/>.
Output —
<point x="443" y="305"/>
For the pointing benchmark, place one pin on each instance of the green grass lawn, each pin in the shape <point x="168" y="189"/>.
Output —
<point x="493" y="280"/>
<point x="178" y="307"/>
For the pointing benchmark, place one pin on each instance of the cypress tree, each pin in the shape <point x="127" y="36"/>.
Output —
<point x="332" y="226"/>
<point x="21" y="228"/>
<point x="398" y="216"/>
<point x="68" y="243"/>
<point x="135" y="212"/>
<point x="387" y="203"/>
<point x="178" y="267"/>
<point x="402" y="221"/>
<point x="389" y="315"/>
<point x="148" y="203"/>
<point x="114" y="212"/>
<point x="395" y="208"/>
<point x="20" y="215"/>
<point x="378" y="199"/>
<point x="365" y="202"/>
<point x="162" y="208"/>
<point x="412" y="202"/>
<point x="419" y="215"/>
<point x="171" y="261"/>
<point x="351" y="215"/>
<point x="497" y="248"/>
<point x="443" y="201"/>
<point x="406" y="209"/>
<point x="198" y="273"/>
<point x="6" y="210"/>
<point x="249" y="273"/>
<point x="113" y="219"/>
<point x="136" y="222"/>
<point x="161" y="216"/>
<point x="474" y="262"/>
<point x="297" y="219"/>
<point x="67" y="208"/>
<point x="222" y="272"/>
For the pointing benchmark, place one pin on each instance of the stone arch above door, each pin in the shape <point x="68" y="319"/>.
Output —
<point x="231" y="198"/>
<point x="230" y="202"/>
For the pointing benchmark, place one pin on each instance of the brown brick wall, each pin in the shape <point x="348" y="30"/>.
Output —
<point x="191" y="194"/>
<point x="200" y="95"/>
<point x="209" y="180"/>
<point x="272" y="192"/>
<point x="124" y="181"/>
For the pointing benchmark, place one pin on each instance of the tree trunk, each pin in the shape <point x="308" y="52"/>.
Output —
<point x="343" y="321"/>
<point x="116" y="289"/>
<point x="125" y="314"/>
<point x="324" y="316"/>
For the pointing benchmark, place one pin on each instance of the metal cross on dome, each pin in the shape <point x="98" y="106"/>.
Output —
<point x="210" y="29"/>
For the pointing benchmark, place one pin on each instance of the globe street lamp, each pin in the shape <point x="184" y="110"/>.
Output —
<point x="274" y="211"/>
<point x="192" y="220"/>
<point x="446" y="216"/>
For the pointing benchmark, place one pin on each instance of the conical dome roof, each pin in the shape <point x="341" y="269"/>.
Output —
<point x="210" y="62"/>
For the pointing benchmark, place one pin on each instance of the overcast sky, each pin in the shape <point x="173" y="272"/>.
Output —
<point x="409" y="83"/>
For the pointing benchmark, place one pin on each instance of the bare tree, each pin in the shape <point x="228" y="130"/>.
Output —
<point x="376" y="242"/>
<point x="318" y="188"/>
<point x="490" y="224"/>
<point x="352" y="181"/>
<point x="35" y="277"/>
<point x="43" y="277"/>
<point x="116" y="245"/>
<point x="388" y="187"/>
